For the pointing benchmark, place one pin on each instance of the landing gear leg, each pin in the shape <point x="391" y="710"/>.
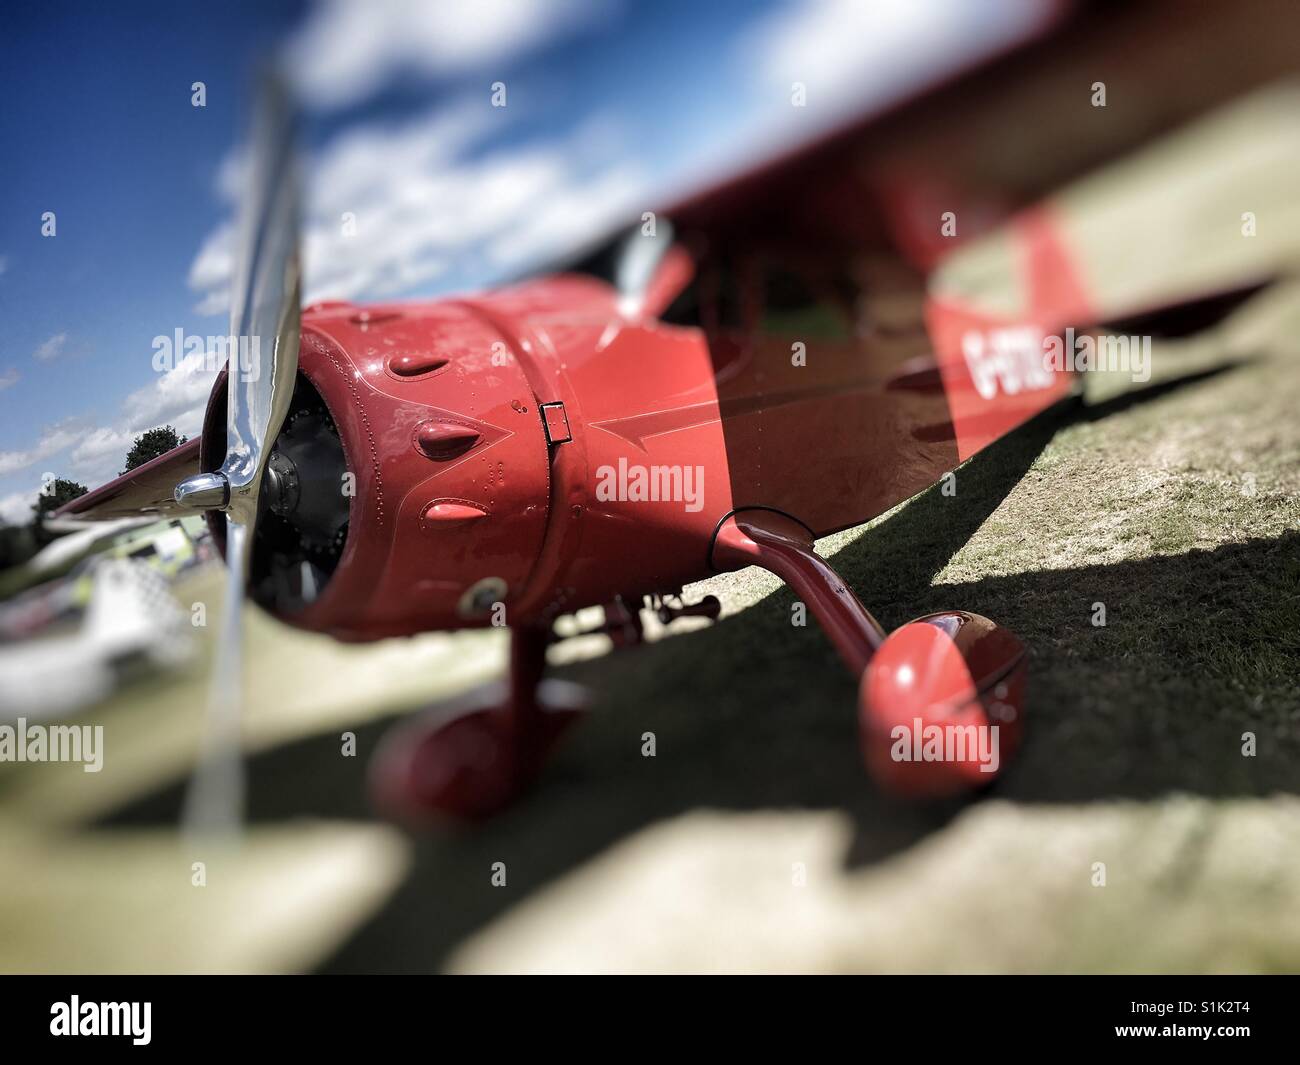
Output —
<point x="940" y="700"/>
<point x="469" y="759"/>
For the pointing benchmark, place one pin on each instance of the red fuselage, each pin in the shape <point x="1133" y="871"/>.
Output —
<point x="537" y="448"/>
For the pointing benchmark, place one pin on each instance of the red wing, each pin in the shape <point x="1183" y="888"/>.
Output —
<point x="985" y="138"/>
<point x="1000" y="136"/>
<point x="145" y="490"/>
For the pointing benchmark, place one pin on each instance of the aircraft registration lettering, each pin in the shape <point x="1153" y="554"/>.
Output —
<point x="1008" y="359"/>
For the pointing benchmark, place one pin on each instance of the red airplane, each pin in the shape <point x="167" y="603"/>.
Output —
<point x="739" y="375"/>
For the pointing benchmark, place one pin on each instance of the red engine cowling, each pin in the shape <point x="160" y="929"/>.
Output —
<point x="471" y="470"/>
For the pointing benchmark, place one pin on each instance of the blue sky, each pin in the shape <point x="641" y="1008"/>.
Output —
<point x="612" y="107"/>
<point x="99" y="129"/>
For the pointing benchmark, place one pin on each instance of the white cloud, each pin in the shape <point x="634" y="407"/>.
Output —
<point x="345" y="51"/>
<point x="852" y="55"/>
<point x="53" y="439"/>
<point x="8" y="379"/>
<point x="96" y="453"/>
<point x="16" y="507"/>
<point x="567" y="218"/>
<point x="4" y="263"/>
<point x="102" y="450"/>
<point x="211" y="269"/>
<point x="178" y="398"/>
<point x="422" y="206"/>
<point x="51" y="349"/>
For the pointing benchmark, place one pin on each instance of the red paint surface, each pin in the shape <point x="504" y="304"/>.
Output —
<point x="876" y="410"/>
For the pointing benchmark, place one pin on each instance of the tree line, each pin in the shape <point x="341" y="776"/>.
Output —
<point x="19" y="541"/>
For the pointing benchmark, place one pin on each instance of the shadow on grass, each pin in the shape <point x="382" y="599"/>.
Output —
<point x="755" y="714"/>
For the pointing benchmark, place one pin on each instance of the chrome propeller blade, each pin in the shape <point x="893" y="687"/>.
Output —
<point x="260" y="373"/>
<point x="264" y="321"/>
<point x="214" y="803"/>
<point x="265" y="310"/>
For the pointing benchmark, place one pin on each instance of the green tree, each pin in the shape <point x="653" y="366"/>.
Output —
<point x="152" y="444"/>
<point x="17" y="545"/>
<point x="55" y="494"/>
